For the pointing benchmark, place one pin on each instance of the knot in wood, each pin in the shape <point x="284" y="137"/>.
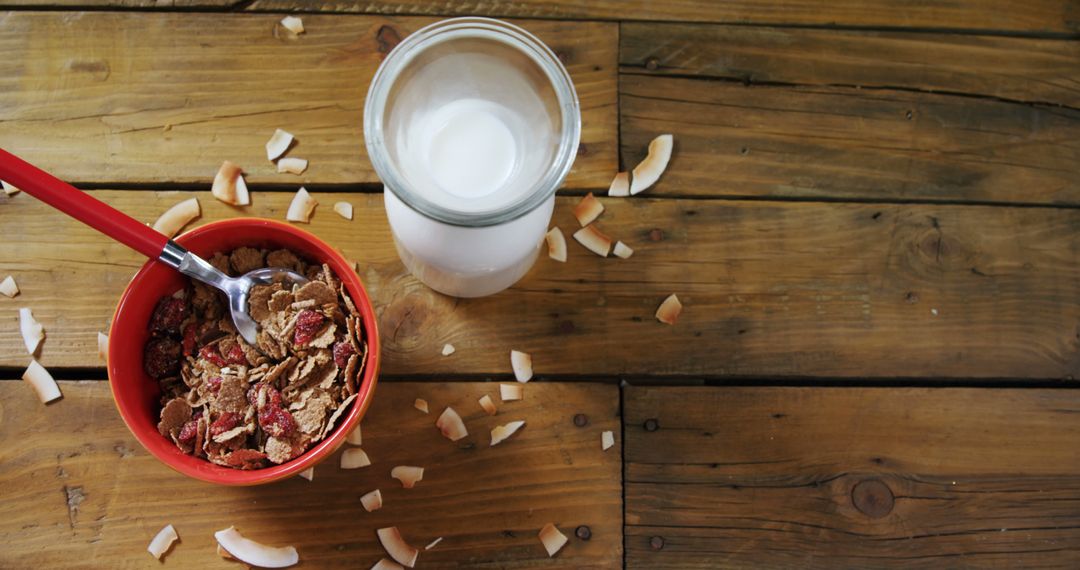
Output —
<point x="651" y="424"/>
<point x="581" y="420"/>
<point x="872" y="498"/>
<point x="656" y="542"/>
<point x="583" y="532"/>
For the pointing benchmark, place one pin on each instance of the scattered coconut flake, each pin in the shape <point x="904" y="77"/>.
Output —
<point x="344" y="209"/>
<point x="42" y="382"/>
<point x="8" y="287"/>
<point x="354" y="458"/>
<point x="553" y="539"/>
<point x="9" y="189"/>
<point x="103" y="346"/>
<point x="224" y="553"/>
<point x="588" y="209"/>
<point x="292" y="165"/>
<point x="511" y="392"/>
<point x="384" y="564"/>
<point x="372" y="501"/>
<point x="648" y="171"/>
<point x="229" y="185"/>
<point x="433" y="543"/>
<point x="448" y="349"/>
<point x="32" y="331"/>
<point x="396" y="547"/>
<point x="488" y="405"/>
<point x="622" y="250"/>
<point x="521" y="362"/>
<point x="162" y="541"/>
<point x="294" y="25"/>
<point x="354" y="437"/>
<point x="174" y="219"/>
<point x="620" y="185"/>
<point x="421" y="404"/>
<point x="408" y="475"/>
<point x="308" y="473"/>
<point x="279" y="142"/>
<point x="669" y="310"/>
<point x="254" y="553"/>
<point x="451" y="426"/>
<point x="302" y="206"/>
<point x="593" y="240"/>
<point x="500" y="433"/>
<point x="556" y="243"/>
<point x="607" y="439"/>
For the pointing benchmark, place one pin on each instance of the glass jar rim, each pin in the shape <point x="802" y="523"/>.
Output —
<point x="472" y="28"/>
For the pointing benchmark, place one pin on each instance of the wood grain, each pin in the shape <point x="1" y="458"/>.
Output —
<point x="844" y="143"/>
<point x="1018" y="69"/>
<point x="165" y="97"/>
<point x="1034" y="16"/>
<point x="852" y="478"/>
<point x="487" y="503"/>
<point x="769" y="289"/>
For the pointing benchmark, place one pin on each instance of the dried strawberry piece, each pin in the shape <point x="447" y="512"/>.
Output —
<point x="342" y="351"/>
<point x="189" y="431"/>
<point x="308" y="323"/>
<point x="189" y="339"/>
<point x="197" y="414"/>
<point x="244" y="458"/>
<point x="276" y="421"/>
<point x="215" y="383"/>
<point x="161" y="357"/>
<point x="236" y="356"/>
<point x="225" y="422"/>
<point x="211" y="353"/>
<point x="168" y="314"/>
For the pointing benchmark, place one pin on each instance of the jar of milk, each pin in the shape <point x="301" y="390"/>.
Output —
<point x="471" y="124"/>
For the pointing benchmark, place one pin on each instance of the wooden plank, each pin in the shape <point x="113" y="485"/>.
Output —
<point x="487" y="503"/>
<point x="852" y="478"/>
<point x="736" y="140"/>
<point x="770" y="289"/>
<point x="165" y="97"/>
<point x="1019" y="69"/>
<point x="1034" y="16"/>
<point x="126" y="4"/>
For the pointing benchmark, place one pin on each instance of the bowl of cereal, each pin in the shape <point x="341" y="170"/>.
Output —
<point x="210" y="405"/>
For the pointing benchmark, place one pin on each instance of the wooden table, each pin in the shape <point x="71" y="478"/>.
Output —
<point x="871" y="218"/>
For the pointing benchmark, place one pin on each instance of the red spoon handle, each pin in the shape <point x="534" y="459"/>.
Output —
<point x="80" y="205"/>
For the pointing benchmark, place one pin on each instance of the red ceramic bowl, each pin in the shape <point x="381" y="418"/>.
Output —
<point x="136" y="394"/>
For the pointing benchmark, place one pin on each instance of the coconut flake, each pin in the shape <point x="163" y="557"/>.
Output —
<point x="620" y="185"/>
<point x="607" y="439"/>
<point x="103" y="346"/>
<point x="32" y="331"/>
<point x="556" y="243"/>
<point x="511" y="392"/>
<point x="354" y="437"/>
<point x="8" y="287"/>
<point x="421" y="404"/>
<point x="448" y="349"/>
<point x="162" y="541"/>
<point x="588" y="209"/>
<point x="408" y="475"/>
<point x="292" y="165"/>
<point x="594" y="240"/>
<point x="279" y="143"/>
<point x="224" y="553"/>
<point x="42" y="382"/>
<point x="9" y="189"/>
<point x="648" y="171"/>
<point x="372" y="501"/>
<point x="488" y="405"/>
<point x="500" y="433"/>
<point x="451" y="426"/>
<point x="354" y="458"/>
<point x="622" y="250"/>
<point x="308" y="473"/>
<point x="294" y="25"/>
<point x="302" y="206"/>
<point x="384" y="564"/>
<point x="175" y="218"/>
<point x="243" y="198"/>
<point x="521" y="362"/>
<point x="254" y="553"/>
<point x="229" y="185"/>
<point x="344" y="209"/>
<point x="433" y="543"/>
<point x="553" y="539"/>
<point x="396" y="547"/>
<point x="669" y="310"/>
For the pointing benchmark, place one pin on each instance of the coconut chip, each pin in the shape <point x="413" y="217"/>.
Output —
<point x="620" y="185"/>
<point x="556" y="243"/>
<point x="408" y="475"/>
<point x="302" y="206"/>
<point x="421" y="404"/>
<point x="488" y="405"/>
<point x="622" y="250"/>
<point x="174" y="219"/>
<point x="229" y="185"/>
<point x="9" y="189"/>
<point x="500" y="433"/>
<point x="292" y="165"/>
<point x="384" y="564"/>
<point x="588" y="209"/>
<point x="279" y="142"/>
<point x="553" y="539"/>
<point x="8" y="287"/>
<point x="294" y="25"/>
<point x="372" y="501"/>
<point x="433" y="543"/>
<point x="669" y="310"/>
<point x="396" y="547"/>
<point x="162" y="541"/>
<point x="648" y="171"/>
<point x="607" y="439"/>
<point x="103" y="346"/>
<point x="344" y="209"/>
<point x="42" y="382"/>
<point x="308" y="473"/>
<point x="451" y="426"/>
<point x="511" y="392"/>
<point x="354" y="437"/>
<point x="254" y="553"/>
<point x="354" y="459"/>
<point x="448" y="349"/>
<point x="593" y="240"/>
<point x="32" y="331"/>
<point x="521" y="362"/>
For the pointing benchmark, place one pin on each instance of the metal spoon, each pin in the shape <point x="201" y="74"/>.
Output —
<point x="141" y="238"/>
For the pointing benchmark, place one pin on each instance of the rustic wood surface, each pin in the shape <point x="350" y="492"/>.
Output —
<point x="150" y="97"/>
<point x="851" y="477"/>
<point x="90" y="496"/>
<point x="846" y="290"/>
